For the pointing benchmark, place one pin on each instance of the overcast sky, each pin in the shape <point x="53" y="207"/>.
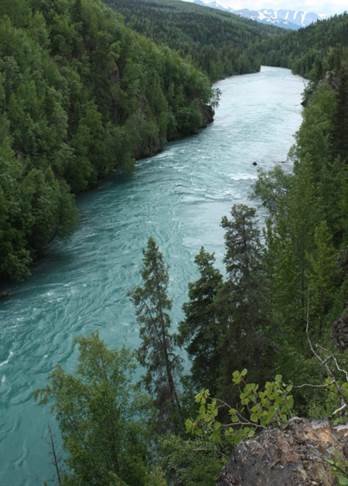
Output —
<point x="320" y="6"/>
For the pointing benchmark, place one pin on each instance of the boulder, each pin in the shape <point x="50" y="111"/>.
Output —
<point x="295" y="455"/>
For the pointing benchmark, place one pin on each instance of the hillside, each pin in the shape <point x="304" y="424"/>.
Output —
<point x="81" y="97"/>
<point x="310" y="52"/>
<point x="217" y="42"/>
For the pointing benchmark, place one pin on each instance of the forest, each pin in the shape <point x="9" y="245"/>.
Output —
<point x="216" y="42"/>
<point x="81" y="98"/>
<point x="311" y="52"/>
<point x="259" y="333"/>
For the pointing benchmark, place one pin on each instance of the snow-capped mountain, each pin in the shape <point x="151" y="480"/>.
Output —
<point x="287" y="19"/>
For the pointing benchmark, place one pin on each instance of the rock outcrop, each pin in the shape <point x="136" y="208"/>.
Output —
<point x="295" y="455"/>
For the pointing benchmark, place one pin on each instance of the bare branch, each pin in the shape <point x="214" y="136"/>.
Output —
<point x="325" y="364"/>
<point x="310" y="385"/>
<point x="334" y="359"/>
<point x="343" y="407"/>
<point x="54" y="455"/>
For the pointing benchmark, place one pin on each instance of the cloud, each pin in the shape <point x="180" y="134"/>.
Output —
<point x="328" y="7"/>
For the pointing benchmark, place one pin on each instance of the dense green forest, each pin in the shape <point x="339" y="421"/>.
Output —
<point x="81" y="97"/>
<point x="216" y="42"/>
<point x="311" y="52"/>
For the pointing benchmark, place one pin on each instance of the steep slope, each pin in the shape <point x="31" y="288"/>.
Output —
<point x="310" y="52"/>
<point x="217" y="42"/>
<point x="81" y="96"/>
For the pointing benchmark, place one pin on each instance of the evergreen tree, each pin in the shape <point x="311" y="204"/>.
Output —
<point x="201" y="330"/>
<point x="244" y="342"/>
<point x="321" y="279"/>
<point x="157" y="350"/>
<point x="243" y="248"/>
<point x="306" y="237"/>
<point x="341" y="121"/>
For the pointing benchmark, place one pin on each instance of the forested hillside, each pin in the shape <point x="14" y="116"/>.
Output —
<point x="81" y="96"/>
<point x="217" y="42"/>
<point x="310" y="52"/>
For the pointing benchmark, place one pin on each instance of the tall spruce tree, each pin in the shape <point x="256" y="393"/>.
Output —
<point x="243" y="248"/>
<point x="241" y="301"/>
<point x="157" y="350"/>
<point x="200" y="332"/>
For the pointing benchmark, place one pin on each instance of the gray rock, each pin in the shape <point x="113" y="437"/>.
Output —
<point x="295" y="455"/>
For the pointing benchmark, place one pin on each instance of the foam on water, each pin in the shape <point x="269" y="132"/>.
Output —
<point x="3" y="363"/>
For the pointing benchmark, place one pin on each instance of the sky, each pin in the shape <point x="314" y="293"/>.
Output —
<point x="327" y="7"/>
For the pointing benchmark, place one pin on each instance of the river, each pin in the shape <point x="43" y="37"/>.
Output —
<point x="179" y="197"/>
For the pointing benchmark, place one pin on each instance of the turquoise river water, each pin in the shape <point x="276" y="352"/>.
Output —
<point x="179" y="197"/>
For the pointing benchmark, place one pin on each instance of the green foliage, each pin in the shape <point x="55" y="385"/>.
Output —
<point x="156" y="477"/>
<point x="157" y="350"/>
<point x="218" y="43"/>
<point x="225" y="323"/>
<point x="257" y="409"/>
<point x="244" y="342"/>
<point x="322" y="275"/>
<point x="93" y="409"/>
<point x="306" y="240"/>
<point x="190" y="462"/>
<point x="331" y="402"/>
<point x="201" y="330"/>
<point x="243" y="249"/>
<point x="81" y="96"/>
<point x="340" y="469"/>
<point x="341" y="124"/>
<point x="271" y="187"/>
<point x="311" y="52"/>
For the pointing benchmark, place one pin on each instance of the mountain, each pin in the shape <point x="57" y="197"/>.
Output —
<point x="286" y="19"/>
<point x="216" y="42"/>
